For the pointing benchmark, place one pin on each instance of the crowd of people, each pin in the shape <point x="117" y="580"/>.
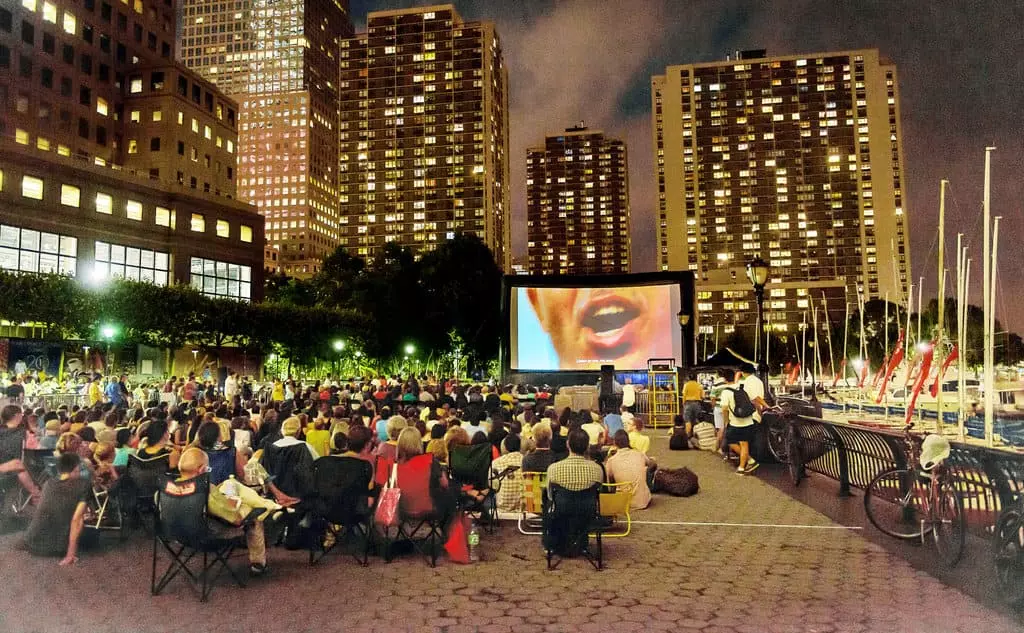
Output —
<point x="278" y="440"/>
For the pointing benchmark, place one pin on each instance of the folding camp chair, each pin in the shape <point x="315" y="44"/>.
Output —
<point x="222" y="464"/>
<point x="143" y="478"/>
<point x="470" y="466"/>
<point x="569" y="519"/>
<point x="340" y="505"/>
<point x="532" y="517"/>
<point x="412" y="523"/>
<point x="105" y="509"/>
<point x="613" y="507"/>
<point x="41" y="466"/>
<point x="184" y="530"/>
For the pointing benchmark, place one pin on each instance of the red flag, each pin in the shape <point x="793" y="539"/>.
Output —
<point x="942" y="372"/>
<point x="864" y="373"/>
<point x="926" y="366"/>
<point x="894" y="361"/>
<point x="793" y="375"/>
<point x="881" y="372"/>
<point x="842" y="370"/>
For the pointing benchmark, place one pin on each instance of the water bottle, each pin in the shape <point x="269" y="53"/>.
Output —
<point x="230" y="487"/>
<point x="474" y="543"/>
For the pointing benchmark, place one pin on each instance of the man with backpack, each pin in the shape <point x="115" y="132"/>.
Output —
<point x="741" y="406"/>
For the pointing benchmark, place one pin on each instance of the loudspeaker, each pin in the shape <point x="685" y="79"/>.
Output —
<point x="607" y="376"/>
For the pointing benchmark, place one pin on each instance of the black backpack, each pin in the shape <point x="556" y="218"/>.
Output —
<point x="742" y="406"/>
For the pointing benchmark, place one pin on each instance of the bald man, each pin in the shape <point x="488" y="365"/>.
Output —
<point x="193" y="463"/>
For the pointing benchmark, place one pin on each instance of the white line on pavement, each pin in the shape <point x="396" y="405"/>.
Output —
<point x="760" y="525"/>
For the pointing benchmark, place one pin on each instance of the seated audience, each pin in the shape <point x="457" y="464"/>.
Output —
<point x="57" y="526"/>
<point x="576" y="472"/>
<point x="541" y="457"/>
<point x="630" y="465"/>
<point x="510" y="492"/>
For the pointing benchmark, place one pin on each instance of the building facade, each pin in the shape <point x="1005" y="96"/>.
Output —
<point x="115" y="161"/>
<point x="423" y="133"/>
<point x="796" y="159"/>
<point x="279" y="59"/>
<point x="577" y="205"/>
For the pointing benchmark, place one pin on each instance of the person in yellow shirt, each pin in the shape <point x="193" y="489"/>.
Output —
<point x="277" y="394"/>
<point x="94" y="391"/>
<point x="693" y="396"/>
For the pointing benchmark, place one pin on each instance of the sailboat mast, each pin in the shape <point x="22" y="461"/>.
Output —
<point x="940" y="351"/>
<point x="986" y="285"/>
<point x="960" y="384"/>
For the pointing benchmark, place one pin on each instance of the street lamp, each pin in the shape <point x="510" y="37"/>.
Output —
<point x="684" y="320"/>
<point x="339" y="346"/>
<point x="410" y="349"/>
<point x="108" y="332"/>
<point x="195" y="361"/>
<point x="757" y="273"/>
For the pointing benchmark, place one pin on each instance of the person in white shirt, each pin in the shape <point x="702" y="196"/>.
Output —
<point x="628" y="395"/>
<point x="231" y="386"/>
<point x="739" y="431"/>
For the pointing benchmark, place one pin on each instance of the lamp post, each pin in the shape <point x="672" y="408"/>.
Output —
<point x="757" y="273"/>
<point x="108" y="332"/>
<point x="339" y="347"/>
<point x="410" y="351"/>
<point x="684" y="320"/>
<point x="195" y="359"/>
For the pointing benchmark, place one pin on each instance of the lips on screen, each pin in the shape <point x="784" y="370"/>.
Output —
<point x="584" y="328"/>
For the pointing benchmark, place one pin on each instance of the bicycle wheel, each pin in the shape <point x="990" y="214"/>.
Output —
<point x="795" y="460"/>
<point x="777" y="432"/>
<point x="1009" y="555"/>
<point x="893" y="503"/>
<point x="948" y="523"/>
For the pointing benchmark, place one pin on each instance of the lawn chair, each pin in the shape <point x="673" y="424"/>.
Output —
<point x="569" y="519"/>
<point x="613" y="507"/>
<point x="414" y="514"/>
<point x="340" y="504"/>
<point x="184" y="530"/>
<point x="222" y="464"/>
<point x="470" y="466"/>
<point x="531" y="519"/>
<point x="143" y="478"/>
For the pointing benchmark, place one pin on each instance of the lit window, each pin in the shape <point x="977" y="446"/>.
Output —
<point x="135" y="116"/>
<point x="231" y="146"/>
<point x="221" y="279"/>
<point x="181" y="118"/>
<point x="133" y="210"/>
<point x="245" y="232"/>
<point x="223" y="228"/>
<point x="70" y="196"/>
<point x="21" y="136"/>
<point x="1" y="180"/>
<point x="129" y="262"/>
<point x="31" y="251"/>
<point x="163" y="216"/>
<point x="49" y="12"/>
<point x="69" y="23"/>
<point x="32" y="187"/>
<point x="195" y="126"/>
<point x="198" y="223"/>
<point x="30" y="5"/>
<point x="207" y="132"/>
<point x="101" y="106"/>
<point x="158" y="115"/>
<point x="133" y="146"/>
<point x="135" y="87"/>
<point x="104" y="203"/>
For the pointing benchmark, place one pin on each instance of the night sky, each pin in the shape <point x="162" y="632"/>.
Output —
<point x="961" y="71"/>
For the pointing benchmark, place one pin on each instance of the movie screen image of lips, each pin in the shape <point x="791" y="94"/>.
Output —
<point x="584" y="328"/>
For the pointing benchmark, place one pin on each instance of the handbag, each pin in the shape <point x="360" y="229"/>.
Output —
<point x="386" y="514"/>
<point x="457" y="544"/>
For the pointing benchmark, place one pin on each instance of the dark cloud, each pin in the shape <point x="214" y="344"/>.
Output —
<point x="961" y="65"/>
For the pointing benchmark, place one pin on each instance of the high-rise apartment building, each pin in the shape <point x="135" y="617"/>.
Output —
<point x="797" y="159"/>
<point x="423" y="133"/>
<point x="279" y="59"/>
<point x="577" y="204"/>
<point x="116" y="161"/>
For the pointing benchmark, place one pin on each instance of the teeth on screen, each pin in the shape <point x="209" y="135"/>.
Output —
<point x="610" y="310"/>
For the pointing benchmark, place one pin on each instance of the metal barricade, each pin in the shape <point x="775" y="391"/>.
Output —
<point x="987" y="479"/>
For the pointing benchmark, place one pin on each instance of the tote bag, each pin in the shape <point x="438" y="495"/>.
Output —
<point x="386" y="514"/>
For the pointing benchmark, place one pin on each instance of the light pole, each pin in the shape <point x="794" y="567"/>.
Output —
<point x="410" y="351"/>
<point x="757" y="273"/>
<point x="195" y="360"/>
<point x="684" y="320"/>
<point x="339" y="347"/>
<point x="108" y="332"/>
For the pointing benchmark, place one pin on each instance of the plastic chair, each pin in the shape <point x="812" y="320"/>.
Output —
<point x="532" y="515"/>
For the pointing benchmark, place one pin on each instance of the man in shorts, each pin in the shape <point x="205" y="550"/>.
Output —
<point x="739" y="431"/>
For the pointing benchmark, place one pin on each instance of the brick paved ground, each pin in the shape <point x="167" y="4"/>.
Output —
<point x="661" y="578"/>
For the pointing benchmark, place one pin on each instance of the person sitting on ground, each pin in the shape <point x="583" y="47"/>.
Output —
<point x="12" y="439"/>
<point x="193" y="463"/>
<point x="637" y="440"/>
<point x="576" y="472"/>
<point x="59" y="521"/>
<point x="541" y="457"/>
<point x="559" y="443"/>
<point x="613" y="423"/>
<point x="122" y="449"/>
<point x="51" y="432"/>
<point x="510" y="492"/>
<point x="629" y="465"/>
<point x="596" y="432"/>
<point x="103" y="464"/>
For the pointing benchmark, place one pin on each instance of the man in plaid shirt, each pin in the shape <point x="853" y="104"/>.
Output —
<point x="510" y="492"/>
<point x="576" y="472"/>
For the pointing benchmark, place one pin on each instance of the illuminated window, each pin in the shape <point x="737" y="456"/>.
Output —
<point x="21" y="136"/>
<point x="104" y="203"/>
<point x="198" y="223"/>
<point x="221" y="279"/>
<point x="223" y="228"/>
<point x="245" y="232"/>
<point x="128" y="262"/>
<point x="49" y="12"/>
<point x="37" y="251"/>
<point x="207" y="132"/>
<point x="29" y="4"/>
<point x="133" y="210"/>
<point x="1" y="180"/>
<point x="135" y="116"/>
<point x="32" y="187"/>
<point x="101" y="106"/>
<point x="195" y="126"/>
<point x="164" y="217"/>
<point x="133" y="146"/>
<point x="70" y="196"/>
<point x="69" y="23"/>
<point x="231" y="146"/>
<point x="158" y="116"/>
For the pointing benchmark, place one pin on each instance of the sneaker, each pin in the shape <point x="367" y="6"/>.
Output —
<point x="257" y="569"/>
<point x="740" y="471"/>
<point x="752" y="465"/>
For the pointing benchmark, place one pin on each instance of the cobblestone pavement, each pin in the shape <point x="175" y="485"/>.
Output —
<point x="663" y="577"/>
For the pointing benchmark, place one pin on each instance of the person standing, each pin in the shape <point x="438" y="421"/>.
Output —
<point x="741" y="408"/>
<point x="693" y="396"/>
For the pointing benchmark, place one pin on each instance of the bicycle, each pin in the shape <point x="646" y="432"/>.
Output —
<point x="911" y="502"/>
<point x="1008" y="542"/>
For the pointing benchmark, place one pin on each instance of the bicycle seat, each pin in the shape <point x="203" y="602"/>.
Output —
<point x="934" y="449"/>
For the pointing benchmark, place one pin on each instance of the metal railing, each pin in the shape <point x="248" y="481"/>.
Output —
<point x="987" y="479"/>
